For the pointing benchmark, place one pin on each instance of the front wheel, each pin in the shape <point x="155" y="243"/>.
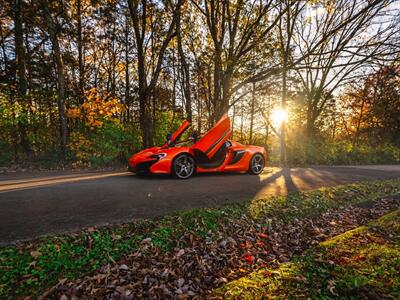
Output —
<point x="183" y="166"/>
<point x="257" y="164"/>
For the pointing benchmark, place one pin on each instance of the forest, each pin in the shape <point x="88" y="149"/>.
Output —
<point x="85" y="83"/>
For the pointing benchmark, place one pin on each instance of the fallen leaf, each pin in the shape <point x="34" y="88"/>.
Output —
<point x="123" y="267"/>
<point x="35" y="253"/>
<point x="263" y="235"/>
<point x="249" y="258"/>
<point x="331" y="287"/>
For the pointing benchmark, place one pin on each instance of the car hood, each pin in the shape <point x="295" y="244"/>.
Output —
<point x="142" y="155"/>
<point x="148" y="151"/>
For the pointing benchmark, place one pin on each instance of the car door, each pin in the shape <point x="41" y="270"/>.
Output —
<point x="177" y="134"/>
<point x="215" y="137"/>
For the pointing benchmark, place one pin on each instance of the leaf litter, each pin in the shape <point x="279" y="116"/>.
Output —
<point x="203" y="263"/>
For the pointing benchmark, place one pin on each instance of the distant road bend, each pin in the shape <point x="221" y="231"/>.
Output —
<point x="36" y="204"/>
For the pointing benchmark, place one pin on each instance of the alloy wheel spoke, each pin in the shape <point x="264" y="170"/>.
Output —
<point x="184" y="167"/>
<point x="182" y="170"/>
<point x="257" y="164"/>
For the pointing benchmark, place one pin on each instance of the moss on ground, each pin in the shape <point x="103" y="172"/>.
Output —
<point x="359" y="264"/>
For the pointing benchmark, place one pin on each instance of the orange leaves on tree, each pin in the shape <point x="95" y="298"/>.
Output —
<point x="97" y="109"/>
<point x="82" y="146"/>
<point x="73" y="113"/>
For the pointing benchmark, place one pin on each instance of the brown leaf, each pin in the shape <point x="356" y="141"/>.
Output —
<point x="35" y="253"/>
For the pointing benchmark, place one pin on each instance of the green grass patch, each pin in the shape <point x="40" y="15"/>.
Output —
<point x="308" y="203"/>
<point x="359" y="264"/>
<point x="32" y="267"/>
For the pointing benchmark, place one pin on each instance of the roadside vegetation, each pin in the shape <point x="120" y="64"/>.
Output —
<point x="362" y="263"/>
<point x="190" y="252"/>
<point x="84" y="84"/>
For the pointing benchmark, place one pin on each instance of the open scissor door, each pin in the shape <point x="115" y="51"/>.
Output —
<point x="177" y="134"/>
<point x="215" y="137"/>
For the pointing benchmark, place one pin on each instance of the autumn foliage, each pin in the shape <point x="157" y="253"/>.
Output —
<point x="97" y="109"/>
<point x="72" y="71"/>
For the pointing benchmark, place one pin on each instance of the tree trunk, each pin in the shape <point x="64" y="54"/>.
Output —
<point x="21" y="72"/>
<point x="283" y="158"/>
<point x="252" y="104"/>
<point x="3" y="48"/>
<point x="217" y="85"/>
<point x="222" y="86"/>
<point x="310" y="126"/>
<point x="53" y="32"/>
<point x="185" y="72"/>
<point x="358" y="126"/>
<point x="233" y="121"/>
<point x="19" y="49"/>
<point x="226" y="90"/>
<point x="241" y="124"/>
<point x="146" y="122"/>
<point x="146" y="88"/>
<point x="28" y="63"/>
<point x="266" y="123"/>
<point x="127" y="77"/>
<point x="81" y="65"/>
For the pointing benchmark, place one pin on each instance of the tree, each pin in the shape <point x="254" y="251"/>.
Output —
<point x="79" y="5"/>
<point x="334" y="62"/>
<point x="375" y="106"/>
<point x="185" y="69"/>
<point x="286" y="26"/>
<point x="236" y="28"/>
<point x="21" y="71"/>
<point x="53" y="30"/>
<point x="146" y="31"/>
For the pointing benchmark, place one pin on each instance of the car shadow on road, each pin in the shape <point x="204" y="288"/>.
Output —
<point x="272" y="176"/>
<point x="198" y="175"/>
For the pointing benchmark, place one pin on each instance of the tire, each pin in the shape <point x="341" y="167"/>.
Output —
<point x="183" y="166"/>
<point x="257" y="164"/>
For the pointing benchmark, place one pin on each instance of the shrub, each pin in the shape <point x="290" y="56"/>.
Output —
<point x="106" y="146"/>
<point x="328" y="152"/>
<point x="114" y="143"/>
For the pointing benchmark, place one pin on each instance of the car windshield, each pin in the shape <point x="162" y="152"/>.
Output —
<point x="187" y="139"/>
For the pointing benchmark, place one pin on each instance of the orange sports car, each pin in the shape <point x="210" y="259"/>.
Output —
<point x="214" y="152"/>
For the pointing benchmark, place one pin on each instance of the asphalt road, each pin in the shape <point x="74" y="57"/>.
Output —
<point x="36" y="204"/>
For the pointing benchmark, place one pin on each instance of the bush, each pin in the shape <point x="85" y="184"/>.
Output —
<point x="328" y="152"/>
<point x="114" y="143"/>
<point x="106" y="146"/>
<point x="6" y="153"/>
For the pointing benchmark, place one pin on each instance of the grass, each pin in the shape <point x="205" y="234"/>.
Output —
<point x="32" y="267"/>
<point x="305" y="204"/>
<point x="359" y="264"/>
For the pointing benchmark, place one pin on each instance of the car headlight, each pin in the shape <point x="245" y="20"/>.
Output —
<point x="158" y="155"/>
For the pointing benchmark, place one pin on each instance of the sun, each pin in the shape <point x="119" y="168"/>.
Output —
<point x="279" y="116"/>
